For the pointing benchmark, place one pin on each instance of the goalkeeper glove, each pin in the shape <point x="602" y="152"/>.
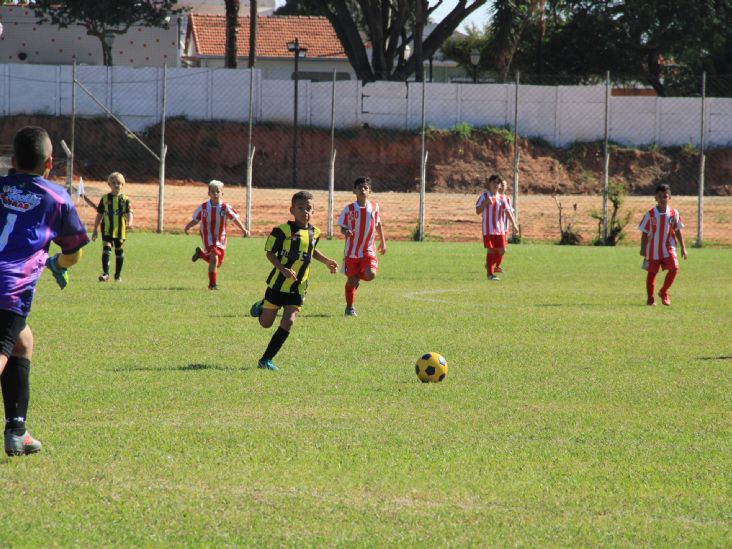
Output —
<point x="59" y="273"/>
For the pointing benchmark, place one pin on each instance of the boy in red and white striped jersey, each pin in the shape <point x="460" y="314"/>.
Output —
<point x="661" y="227"/>
<point x="359" y="223"/>
<point x="212" y="217"/>
<point x="496" y="211"/>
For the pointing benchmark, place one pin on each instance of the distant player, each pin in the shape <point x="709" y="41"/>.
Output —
<point x="495" y="209"/>
<point x="114" y="212"/>
<point x="212" y="217"/>
<point x="507" y="216"/>
<point x="33" y="212"/>
<point x="290" y="248"/>
<point x="661" y="227"/>
<point x="359" y="223"/>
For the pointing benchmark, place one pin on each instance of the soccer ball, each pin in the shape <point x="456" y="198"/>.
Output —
<point x="431" y="367"/>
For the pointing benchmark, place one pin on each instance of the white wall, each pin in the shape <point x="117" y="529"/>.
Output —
<point x="561" y="115"/>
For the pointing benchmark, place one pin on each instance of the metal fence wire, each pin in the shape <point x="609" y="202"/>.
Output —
<point x="170" y="131"/>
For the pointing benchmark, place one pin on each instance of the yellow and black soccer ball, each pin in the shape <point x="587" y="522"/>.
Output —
<point x="431" y="368"/>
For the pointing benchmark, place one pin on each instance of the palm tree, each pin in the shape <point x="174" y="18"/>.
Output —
<point x="232" y="29"/>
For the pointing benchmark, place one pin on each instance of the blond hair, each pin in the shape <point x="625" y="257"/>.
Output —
<point x="116" y="177"/>
<point x="215" y="184"/>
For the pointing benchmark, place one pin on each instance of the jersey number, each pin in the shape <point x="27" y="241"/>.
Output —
<point x="7" y="229"/>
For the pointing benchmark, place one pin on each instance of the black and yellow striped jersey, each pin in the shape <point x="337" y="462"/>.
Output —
<point x="114" y="209"/>
<point x="294" y="248"/>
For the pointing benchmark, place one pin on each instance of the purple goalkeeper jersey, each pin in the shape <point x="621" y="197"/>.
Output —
<point x="33" y="212"/>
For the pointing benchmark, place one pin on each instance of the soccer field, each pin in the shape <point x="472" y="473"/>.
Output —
<point x="572" y="413"/>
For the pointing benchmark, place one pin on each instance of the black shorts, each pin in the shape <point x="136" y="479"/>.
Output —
<point x="11" y="324"/>
<point x="281" y="298"/>
<point x="118" y="242"/>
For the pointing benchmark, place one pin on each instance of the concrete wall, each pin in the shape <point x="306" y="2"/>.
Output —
<point x="561" y="115"/>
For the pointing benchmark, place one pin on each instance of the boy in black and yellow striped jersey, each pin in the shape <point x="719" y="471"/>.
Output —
<point x="290" y="248"/>
<point x="114" y="212"/>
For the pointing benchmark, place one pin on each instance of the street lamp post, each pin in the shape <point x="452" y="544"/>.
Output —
<point x="474" y="60"/>
<point x="298" y="51"/>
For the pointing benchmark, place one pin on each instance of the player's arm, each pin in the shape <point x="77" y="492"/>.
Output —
<point x="129" y="219"/>
<point x="382" y="238"/>
<point x="509" y="211"/>
<point x="277" y="264"/>
<point x="97" y="221"/>
<point x="188" y="226"/>
<point x="644" y="243"/>
<point x="239" y="224"/>
<point x="328" y="262"/>
<point x="345" y="231"/>
<point x="680" y="238"/>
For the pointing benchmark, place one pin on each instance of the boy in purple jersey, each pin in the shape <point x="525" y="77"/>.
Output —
<point x="33" y="212"/>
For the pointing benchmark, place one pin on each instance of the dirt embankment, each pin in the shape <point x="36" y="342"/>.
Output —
<point x="199" y="151"/>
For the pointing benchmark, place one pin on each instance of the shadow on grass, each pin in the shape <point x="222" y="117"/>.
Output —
<point x="187" y="368"/>
<point x="714" y="358"/>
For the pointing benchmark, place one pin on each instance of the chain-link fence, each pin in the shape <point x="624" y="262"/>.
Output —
<point x="170" y="131"/>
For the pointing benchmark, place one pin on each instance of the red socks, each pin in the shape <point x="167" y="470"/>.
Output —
<point x="491" y="262"/>
<point x="670" y="276"/>
<point x="212" y="278"/>
<point x="350" y="295"/>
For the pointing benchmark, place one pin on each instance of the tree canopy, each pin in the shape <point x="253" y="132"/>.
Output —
<point x="105" y="18"/>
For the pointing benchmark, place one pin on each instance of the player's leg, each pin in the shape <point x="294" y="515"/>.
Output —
<point x="106" y="255"/>
<point x="352" y="284"/>
<point x="15" y="381"/>
<point x="672" y="266"/>
<point x="119" y="258"/>
<point x="289" y="314"/>
<point x="213" y="262"/>
<point x="653" y="267"/>
<point x="499" y="260"/>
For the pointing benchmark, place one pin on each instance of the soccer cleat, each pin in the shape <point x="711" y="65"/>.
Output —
<point x="498" y="270"/>
<point x="651" y="302"/>
<point x="104" y="277"/>
<point x="59" y="273"/>
<point x="350" y="311"/>
<point x="256" y="309"/>
<point x="665" y="299"/>
<point x="118" y="279"/>
<point x="213" y="287"/>
<point x="21" y="445"/>
<point x="267" y="364"/>
<point x="196" y="255"/>
<point x="493" y="277"/>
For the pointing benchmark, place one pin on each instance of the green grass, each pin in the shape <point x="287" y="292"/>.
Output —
<point x="572" y="414"/>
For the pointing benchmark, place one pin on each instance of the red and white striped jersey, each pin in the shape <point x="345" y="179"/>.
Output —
<point x="362" y="220"/>
<point x="494" y="222"/>
<point x="213" y="223"/>
<point x="660" y="228"/>
<point x="507" y="206"/>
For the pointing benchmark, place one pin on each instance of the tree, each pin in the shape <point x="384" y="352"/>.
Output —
<point x="106" y="18"/>
<point x="252" y="33"/>
<point x="232" y="30"/>
<point x="389" y="26"/>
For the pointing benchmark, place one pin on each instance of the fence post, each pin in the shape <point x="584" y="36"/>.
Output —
<point x="606" y="153"/>
<point x="422" y="172"/>
<point x="250" y="154"/>
<point x="700" y="207"/>
<point x="163" y="152"/>
<point x="73" y="116"/>
<point x="331" y="170"/>
<point x="514" y="236"/>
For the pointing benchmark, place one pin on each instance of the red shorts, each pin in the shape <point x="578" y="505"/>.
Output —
<point x="218" y="252"/>
<point x="670" y="263"/>
<point x="494" y="241"/>
<point x="354" y="266"/>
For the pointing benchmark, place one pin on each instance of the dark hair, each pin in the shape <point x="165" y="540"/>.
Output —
<point x="301" y="195"/>
<point x="496" y="178"/>
<point x="31" y="147"/>
<point x="663" y="188"/>
<point x="361" y="180"/>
